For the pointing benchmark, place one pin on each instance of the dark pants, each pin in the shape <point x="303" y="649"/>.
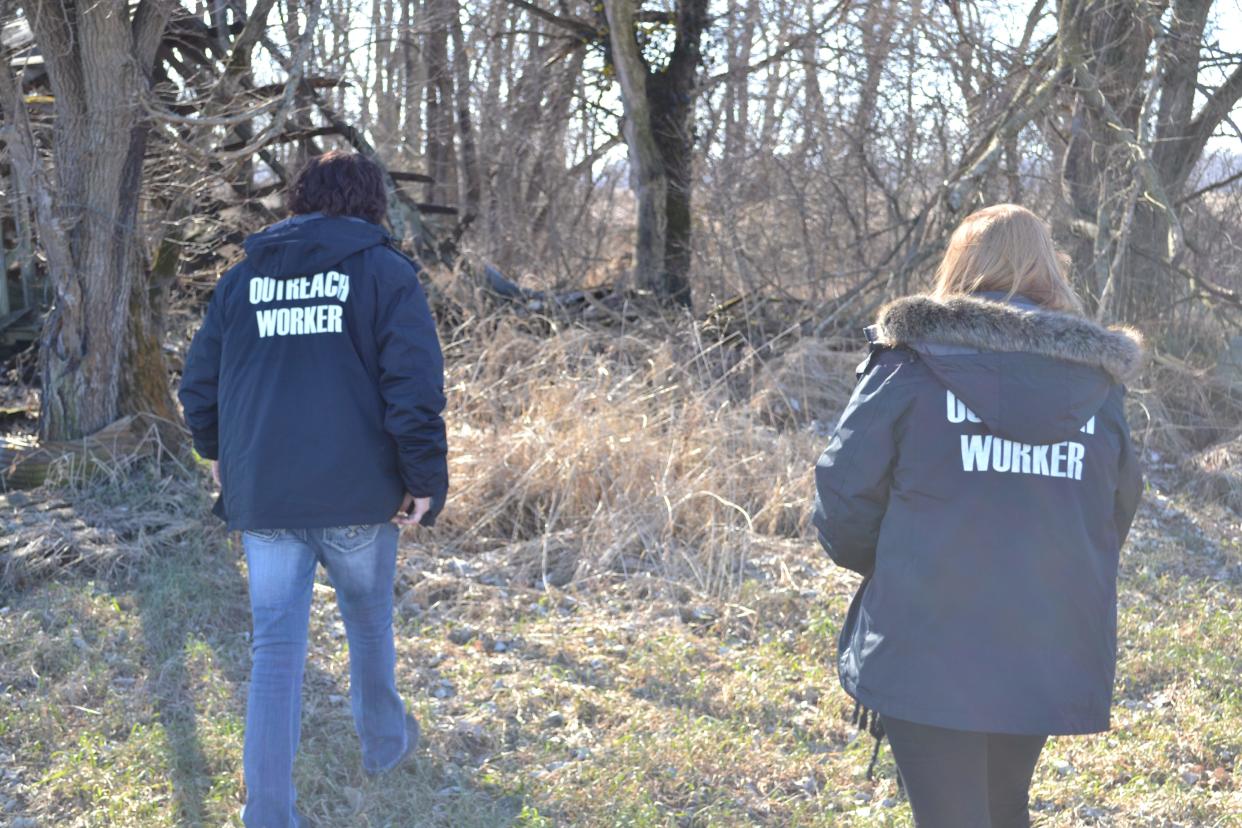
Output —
<point x="960" y="779"/>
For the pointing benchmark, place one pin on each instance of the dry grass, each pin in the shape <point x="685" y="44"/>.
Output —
<point x="624" y="701"/>
<point x="647" y="447"/>
<point x="643" y="452"/>
<point x="1216" y="473"/>
<point x="621" y="619"/>
<point x="1177" y="409"/>
<point x="101" y="516"/>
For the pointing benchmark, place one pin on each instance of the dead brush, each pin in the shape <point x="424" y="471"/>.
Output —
<point x="1216" y="474"/>
<point x="635" y="445"/>
<point x="809" y="383"/>
<point x="1178" y="410"/>
<point x="103" y="515"/>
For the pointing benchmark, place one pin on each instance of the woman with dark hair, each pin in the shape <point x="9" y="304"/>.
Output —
<point x="340" y="184"/>
<point x="315" y="387"/>
<point x="982" y="481"/>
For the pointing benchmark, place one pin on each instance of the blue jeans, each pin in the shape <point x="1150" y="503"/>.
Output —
<point x="361" y="562"/>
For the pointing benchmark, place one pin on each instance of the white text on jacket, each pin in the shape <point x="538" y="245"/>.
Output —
<point x="297" y="321"/>
<point x="986" y="452"/>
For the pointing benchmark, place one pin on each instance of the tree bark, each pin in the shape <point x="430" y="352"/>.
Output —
<point x="440" y="157"/>
<point x="412" y="78"/>
<point x="465" y="129"/>
<point x="647" y="176"/>
<point x="1128" y="249"/>
<point x="99" y="353"/>
<point x="660" y="135"/>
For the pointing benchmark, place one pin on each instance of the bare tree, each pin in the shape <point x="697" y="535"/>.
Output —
<point x="802" y="156"/>
<point x="659" y="102"/>
<point x="100" y="356"/>
<point x="1134" y="140"/>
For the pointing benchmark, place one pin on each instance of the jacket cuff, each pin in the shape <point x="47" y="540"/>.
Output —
<point x="207" y="447"/>
<point x="428" y="478"/>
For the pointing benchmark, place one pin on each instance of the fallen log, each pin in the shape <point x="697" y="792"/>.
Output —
<point x="400" y="175"/>
<point x="604" y="303"/>
<point x="25" y="464"/>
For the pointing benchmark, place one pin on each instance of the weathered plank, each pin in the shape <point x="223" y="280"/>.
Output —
<point x="24" y="464"/>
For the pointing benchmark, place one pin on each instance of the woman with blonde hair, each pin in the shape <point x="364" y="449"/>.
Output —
<point x="982" y="481"/>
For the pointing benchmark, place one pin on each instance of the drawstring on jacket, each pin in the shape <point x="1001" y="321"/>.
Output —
<point x="869" y="721"/>
<point x="875" y="727"/>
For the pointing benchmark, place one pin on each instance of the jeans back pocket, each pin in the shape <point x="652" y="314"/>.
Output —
<point x="351" y="538"/>
<point x="267" y="535"/>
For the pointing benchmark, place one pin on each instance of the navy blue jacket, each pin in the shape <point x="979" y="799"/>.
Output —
<point x="317" y="380"/>
<point x="983" y="481"/>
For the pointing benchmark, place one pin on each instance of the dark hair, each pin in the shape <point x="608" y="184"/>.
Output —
<point x="340" y="183"/>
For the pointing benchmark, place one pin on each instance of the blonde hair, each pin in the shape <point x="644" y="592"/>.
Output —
<point x="1008" y="249"/>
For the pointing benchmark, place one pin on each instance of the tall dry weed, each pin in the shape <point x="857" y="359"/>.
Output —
<point x="592" y="450"/>
<point x="1178" y="410"/>
<point x="645" y="450"/>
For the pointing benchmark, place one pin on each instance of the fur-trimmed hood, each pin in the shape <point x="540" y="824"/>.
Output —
<point x="1031" y="375"/>
<point x="988" y="325"/>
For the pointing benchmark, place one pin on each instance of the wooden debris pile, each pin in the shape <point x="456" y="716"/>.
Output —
<point x="25" y="464"/>
<point x="102" y="526"/>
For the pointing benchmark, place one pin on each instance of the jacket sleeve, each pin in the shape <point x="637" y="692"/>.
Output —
<point x="1129" y="486"/>
<point x="411" y="382"/>
<point x="200" y="381"/>
<point x="853" y="475"/>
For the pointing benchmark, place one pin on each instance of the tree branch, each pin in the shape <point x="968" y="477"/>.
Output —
<point x="150" y="19"/>
<point x="28" y="168"/>
<point x="256" y="24"/>
<point x="424" y="240"/>
<point x="1025" y="105"/>
<point x="1217" y="108"/>
<point x="796" y="42"/>
<point x="1224" y="182"/>
<point x="581" y="28"/>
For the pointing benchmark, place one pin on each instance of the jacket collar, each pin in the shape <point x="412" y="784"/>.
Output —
<point x="989" y="325"/>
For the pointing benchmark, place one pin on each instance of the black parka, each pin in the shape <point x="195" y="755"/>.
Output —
<point x="317" y="380"/>
<point x="983" y="481"/>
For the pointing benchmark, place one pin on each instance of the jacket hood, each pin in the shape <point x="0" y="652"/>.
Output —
<point x="1028" y="373"/>
<point x="310" y="243"/>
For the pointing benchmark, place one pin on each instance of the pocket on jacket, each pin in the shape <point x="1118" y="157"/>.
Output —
<point x="350" y="538"/>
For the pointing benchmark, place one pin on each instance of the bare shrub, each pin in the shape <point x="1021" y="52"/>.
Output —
<point x="810" y="383"/>
<point x="1216" y="473"/>
<point x="1177" y="410"/>
<point x="581" y="452"/>
<point x="633" y="448"/>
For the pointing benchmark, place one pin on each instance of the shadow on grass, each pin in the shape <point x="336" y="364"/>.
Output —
<point x="195" y="619"/>
<point x="194" y="615"/>
<point x="424" y="792"/>
<point x="427" y="791"/>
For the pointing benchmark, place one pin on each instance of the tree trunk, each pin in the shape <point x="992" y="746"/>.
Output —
<point x="1109" y="40"/>
<point x="647" y="175"/>
<point x="660" y="134"/>
<point x="737" y="95"/>
<point x="440" y="104"/>
<point x="465" y="129"/>
<point x="387" y="67"/>
<point x="99" y="355"/>
<point x="412" y="65"/>
<point x="1125" y="167"/>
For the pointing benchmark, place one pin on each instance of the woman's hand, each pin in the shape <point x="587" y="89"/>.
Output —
<point x="412" y="510"/>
